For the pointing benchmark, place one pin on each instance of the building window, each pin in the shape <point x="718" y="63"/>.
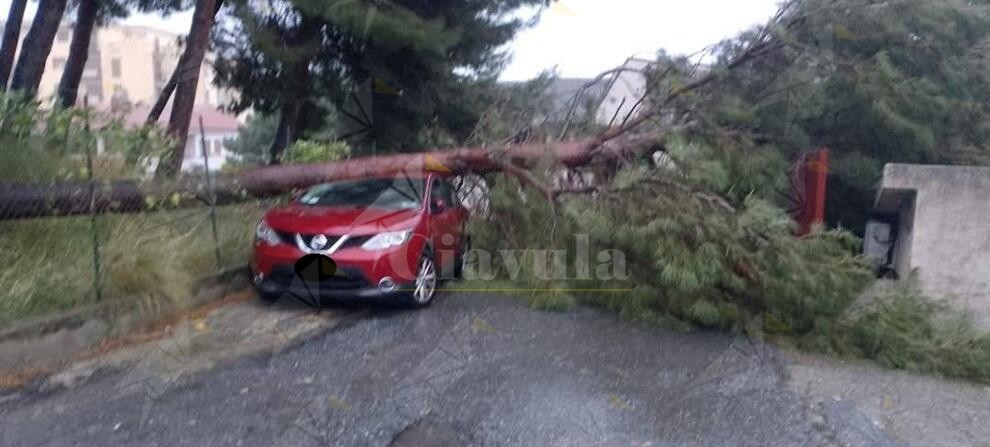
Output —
<point x="58" y="63"/>
<point x="191" y="148"/>
<point x="217" y="147"/>
<point x="115" y="67"/>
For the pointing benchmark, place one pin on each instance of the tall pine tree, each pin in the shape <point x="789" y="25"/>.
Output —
<point x="406" y="70"/>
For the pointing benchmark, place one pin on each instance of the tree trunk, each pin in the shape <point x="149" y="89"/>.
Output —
<point x="286" y="132"/>
<point x="36" y="46"/>
<point x="156" y="110"/>
<point x="296" y="88"/>
<point x="11" y="35"/>
<point x="68" y="87"/>
<point x="187" y="80"/>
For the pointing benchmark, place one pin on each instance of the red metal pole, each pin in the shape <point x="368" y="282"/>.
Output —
<point x="816" y="183"/>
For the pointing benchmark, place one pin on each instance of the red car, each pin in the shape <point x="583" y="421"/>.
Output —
<point x="388" y="237"/>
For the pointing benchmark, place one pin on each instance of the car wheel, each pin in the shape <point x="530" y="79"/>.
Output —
<point x="426" y="284"/>
<point x="267" y="297"/>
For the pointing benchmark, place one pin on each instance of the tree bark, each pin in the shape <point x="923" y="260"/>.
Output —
<point x="11" y="35"/>
<point x="187" y="81"/>
<point x="156" y="110"/>
<point x="68" y="87"/>
<point x="36" y="46"/>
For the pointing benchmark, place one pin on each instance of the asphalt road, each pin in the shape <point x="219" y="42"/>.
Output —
<point x="471" y="370"/>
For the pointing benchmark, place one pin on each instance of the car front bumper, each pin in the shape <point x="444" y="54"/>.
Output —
<point x="348" y="284"/>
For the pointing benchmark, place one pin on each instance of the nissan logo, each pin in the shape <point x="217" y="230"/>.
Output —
<point x="318" y="242"/>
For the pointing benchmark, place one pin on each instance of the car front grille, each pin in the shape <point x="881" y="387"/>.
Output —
<point x="352" y="241"/>
<point x="308" y="238"/>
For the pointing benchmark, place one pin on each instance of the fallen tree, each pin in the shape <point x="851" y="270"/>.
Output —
<point x="20" y="200"/>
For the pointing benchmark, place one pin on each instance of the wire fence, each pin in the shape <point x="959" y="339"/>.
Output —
<point x="156" y="257"/>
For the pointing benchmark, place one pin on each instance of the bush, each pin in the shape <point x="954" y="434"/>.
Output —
<point x="306" y="151"/>
<point x="38" y="144"/>
<point x="905" y="329"/>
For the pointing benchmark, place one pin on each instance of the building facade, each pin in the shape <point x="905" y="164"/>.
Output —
<point x="127" y="66"/>
<point x="623" y="93"/>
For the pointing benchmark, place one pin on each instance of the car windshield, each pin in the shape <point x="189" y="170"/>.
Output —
<point x="387" y="193"/>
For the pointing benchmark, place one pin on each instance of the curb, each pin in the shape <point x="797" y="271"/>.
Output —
<point x="55" y="339"/>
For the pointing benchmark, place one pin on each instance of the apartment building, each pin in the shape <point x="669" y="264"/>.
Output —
<point x="127" y="66"/>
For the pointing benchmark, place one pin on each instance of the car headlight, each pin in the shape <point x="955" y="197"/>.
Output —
<point x="265" y="233"/>
<point x="382" y="241"/>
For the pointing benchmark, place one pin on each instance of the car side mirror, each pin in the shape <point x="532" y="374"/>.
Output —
<point x="437" y="206"/>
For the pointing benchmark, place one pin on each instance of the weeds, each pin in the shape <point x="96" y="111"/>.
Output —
<point x="149" y="260"/>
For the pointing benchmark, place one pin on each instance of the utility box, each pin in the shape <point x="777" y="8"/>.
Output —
<point x="878" y="246"/>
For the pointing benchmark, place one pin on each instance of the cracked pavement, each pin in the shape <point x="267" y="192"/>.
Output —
<point x="471" y="370"/>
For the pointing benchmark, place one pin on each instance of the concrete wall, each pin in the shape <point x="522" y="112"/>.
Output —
<point x="943" y="230"/>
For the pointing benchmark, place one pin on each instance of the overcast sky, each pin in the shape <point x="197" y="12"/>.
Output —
<point x="582" y="38"/>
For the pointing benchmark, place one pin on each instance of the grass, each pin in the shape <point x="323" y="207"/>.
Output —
<point x="151" y="259"/>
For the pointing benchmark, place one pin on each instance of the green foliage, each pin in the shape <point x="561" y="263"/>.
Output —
<point x="416" y="74"/>
<point x="719" y="266"/>
<point x="706" y="262"/>
<point x="150" y="260"/>
<point x="37" y="144"/>
<point x="698" y="260"/>
<point x="904" y="329"/>
<point x="306" y="151"/>
<point x="876" y="82"/>
<point x="254" y="137"/>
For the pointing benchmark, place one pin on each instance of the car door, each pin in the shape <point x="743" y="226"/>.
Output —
<point x="445" y="230"/>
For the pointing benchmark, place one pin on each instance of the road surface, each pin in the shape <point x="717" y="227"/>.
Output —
<point x="471" y="370"/>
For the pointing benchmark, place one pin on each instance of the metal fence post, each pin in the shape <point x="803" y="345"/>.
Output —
<point x="210" y="191"/>
<point x="93" y="224"/>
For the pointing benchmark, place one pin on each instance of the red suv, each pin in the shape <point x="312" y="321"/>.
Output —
<point x="386" y="237"/>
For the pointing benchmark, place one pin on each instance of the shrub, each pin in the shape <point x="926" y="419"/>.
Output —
<point x="307" y="151"/>
<point x="38" y="144"/>
<point x="904" y="329"/>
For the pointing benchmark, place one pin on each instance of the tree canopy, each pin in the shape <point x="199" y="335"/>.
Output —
<point x="875" y="82"/>
<point x="404" y="74"/>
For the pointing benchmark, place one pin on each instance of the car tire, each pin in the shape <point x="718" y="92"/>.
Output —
<point x="427" y="281"/>
<point x="267" y="297"/>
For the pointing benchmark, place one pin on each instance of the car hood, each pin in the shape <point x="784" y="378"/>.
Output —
<point x="296" y="218"/>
